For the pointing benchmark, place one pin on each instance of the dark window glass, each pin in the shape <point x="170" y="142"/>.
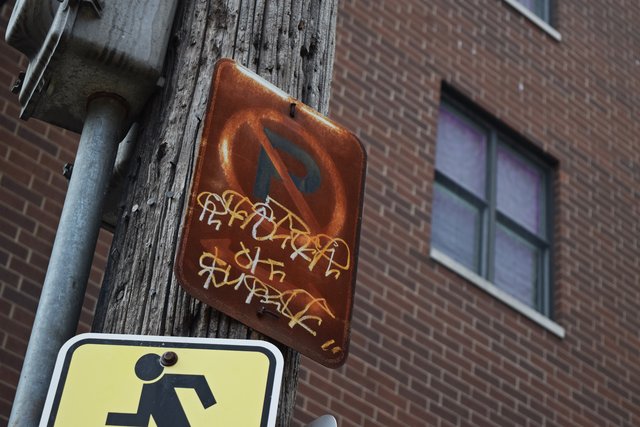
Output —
<point x="539" y="7"/>
<point x="516" y="266"/>
<point x="490" y="206"/>
<point x="456" y="227"/>
<point x="520" y="189"/>
<point x="461" y="152"/>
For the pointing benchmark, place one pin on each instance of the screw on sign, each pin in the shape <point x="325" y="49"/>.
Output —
<point x="271" y="231"/>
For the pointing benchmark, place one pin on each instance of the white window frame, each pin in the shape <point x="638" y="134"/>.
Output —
<point x="497" y="293"/>
<point x="535" y="19"/>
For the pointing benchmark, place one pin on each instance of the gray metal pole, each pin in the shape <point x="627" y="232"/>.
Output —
<point x="70" y="263"/>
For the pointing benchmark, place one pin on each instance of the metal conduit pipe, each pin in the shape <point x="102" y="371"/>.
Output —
<point x="70" y="263"/>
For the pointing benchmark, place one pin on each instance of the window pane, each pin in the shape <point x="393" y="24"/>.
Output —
<point x="516" y="265"/>
<point x="536" y="6"/>
<point x="461" y="152"/>
<point x="529" y="4"/>
<point x="520" y="190"/>
<point x="455" y="227"/>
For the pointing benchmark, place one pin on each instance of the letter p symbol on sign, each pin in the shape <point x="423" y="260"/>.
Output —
<point x="269" y="164"/>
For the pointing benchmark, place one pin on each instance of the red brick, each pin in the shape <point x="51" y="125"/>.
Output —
<point x="21" y="190"/>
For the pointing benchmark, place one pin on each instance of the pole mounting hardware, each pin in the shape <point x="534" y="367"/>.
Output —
<point x="169" y="358"/>
<point x="95" y="5"/>
<point x="67" y="170"/>
<point x="17" y="85"/>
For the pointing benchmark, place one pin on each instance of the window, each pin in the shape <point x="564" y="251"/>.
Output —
<point x="538" y="7"/>
<point x="491" y="206"/>
<point x="540" y="12"/>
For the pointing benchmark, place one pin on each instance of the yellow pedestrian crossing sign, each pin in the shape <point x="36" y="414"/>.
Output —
<point x="148" y="381"/>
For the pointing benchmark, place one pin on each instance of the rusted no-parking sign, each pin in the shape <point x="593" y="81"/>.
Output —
<point x="271" y="231"/>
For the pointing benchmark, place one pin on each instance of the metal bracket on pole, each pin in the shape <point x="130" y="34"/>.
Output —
<point x="95" y="5"/>
<point x="116" y="186"/>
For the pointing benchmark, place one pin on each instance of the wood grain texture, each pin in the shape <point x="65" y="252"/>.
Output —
<point x="288" y="42"/>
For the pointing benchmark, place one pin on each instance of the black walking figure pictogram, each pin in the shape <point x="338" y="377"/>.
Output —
<point x="159" y="398"/>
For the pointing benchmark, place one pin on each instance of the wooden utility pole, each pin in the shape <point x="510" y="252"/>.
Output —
<point x="288" y="42"/>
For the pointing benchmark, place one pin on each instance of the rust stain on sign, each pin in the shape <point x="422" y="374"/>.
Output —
<point x="271" y="231"/>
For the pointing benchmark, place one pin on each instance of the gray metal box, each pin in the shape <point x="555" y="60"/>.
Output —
<point x="78" y="48"/>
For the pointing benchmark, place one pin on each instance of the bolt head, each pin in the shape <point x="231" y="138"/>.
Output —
<point x="169" y="358"/>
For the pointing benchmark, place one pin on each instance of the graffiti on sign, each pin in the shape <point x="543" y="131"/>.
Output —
<point x="271" y="231"/>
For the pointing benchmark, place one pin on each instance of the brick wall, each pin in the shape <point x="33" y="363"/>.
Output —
<point x="32" y="191"/>
<point x="428" y="347"/>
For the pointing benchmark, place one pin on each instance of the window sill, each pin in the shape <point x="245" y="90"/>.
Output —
<point x="491" y="289"/>
<point x="535" y="19"/>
